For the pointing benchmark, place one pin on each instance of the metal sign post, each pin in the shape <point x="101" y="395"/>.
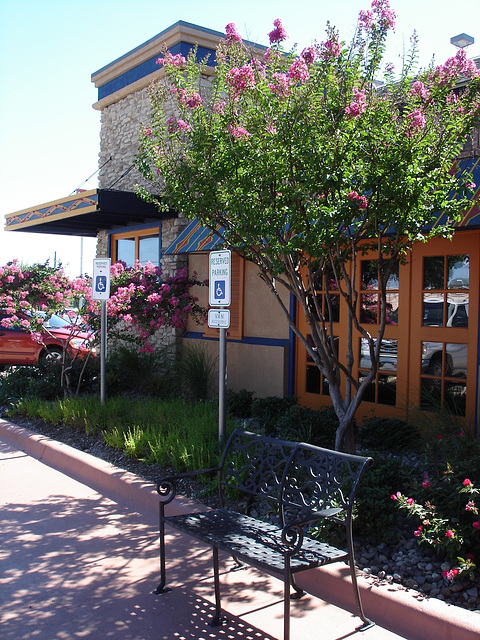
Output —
<point x="219" y="295"/>
<point x="101" y="291"/>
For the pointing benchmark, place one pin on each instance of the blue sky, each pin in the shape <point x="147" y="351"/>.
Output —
<point x="49" y="132"/>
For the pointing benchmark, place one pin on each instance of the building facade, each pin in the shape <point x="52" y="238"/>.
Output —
<point x="430" y="350"/>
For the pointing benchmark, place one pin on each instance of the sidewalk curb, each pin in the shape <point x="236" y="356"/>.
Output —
<point x="401" y="611"/>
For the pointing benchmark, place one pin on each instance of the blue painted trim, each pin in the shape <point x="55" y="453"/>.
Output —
<point x="150" y="66"/>
<point x="265" y="342"/>
<point x="292" y="344"/>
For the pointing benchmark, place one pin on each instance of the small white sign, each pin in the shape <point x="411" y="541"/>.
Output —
<point x="219" y="289"/>
<point x="101" y="279"/>
<point x="219" y="318"/>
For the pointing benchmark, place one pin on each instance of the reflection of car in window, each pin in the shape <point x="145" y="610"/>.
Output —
<point x="457" y="312"/>
<point x="387" y="360"/>
<point x="455" y="359"/>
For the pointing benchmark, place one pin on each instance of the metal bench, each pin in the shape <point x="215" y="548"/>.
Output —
<point x="300" y="484"/>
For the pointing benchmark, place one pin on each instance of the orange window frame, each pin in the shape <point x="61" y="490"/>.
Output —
<point x="135" y="235"/>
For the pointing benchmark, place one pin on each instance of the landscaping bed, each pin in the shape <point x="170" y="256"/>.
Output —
<point x="398" y="560"/>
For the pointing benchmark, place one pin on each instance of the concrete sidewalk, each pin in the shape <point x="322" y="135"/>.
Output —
<point x="79" y="558"/>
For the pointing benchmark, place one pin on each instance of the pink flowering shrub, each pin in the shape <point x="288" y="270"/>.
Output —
<point x="447" y="506"/>
<point x="140" y="300"/>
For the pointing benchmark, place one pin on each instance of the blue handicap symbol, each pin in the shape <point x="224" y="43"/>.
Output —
<point x="219" y="287"/>
<point x="101" y="284"/>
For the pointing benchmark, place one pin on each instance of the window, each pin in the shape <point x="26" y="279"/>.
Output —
<point x="369" y="307"/>
<point x="445" y="291"/>
<point x="445" y="307"/>
<point x="383" y="388"/>
<point x="315" y="381"/>
<point x="142" y="245"/>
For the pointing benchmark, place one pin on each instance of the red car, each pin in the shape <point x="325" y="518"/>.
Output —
<point x="18" y="348"/>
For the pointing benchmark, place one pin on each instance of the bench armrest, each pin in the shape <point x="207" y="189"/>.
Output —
<point x="167" y="486"/>
<point x="293" y="532"/>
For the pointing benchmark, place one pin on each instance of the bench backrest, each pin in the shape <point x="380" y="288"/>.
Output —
<point x="299" y="478"/>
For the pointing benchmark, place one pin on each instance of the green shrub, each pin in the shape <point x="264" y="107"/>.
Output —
<point x="151" y="374"/>
<point x="198" y="369"/>
<point x="43" y="381"/>
<point x="389" y="434"/>
<point x="239" y="403"/>
<point x="316" y="426"/>
<point x="267" y="412"/>
<point x="376" y="516"/>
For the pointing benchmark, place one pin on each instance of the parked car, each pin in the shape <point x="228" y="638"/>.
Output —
<point x="17" y="347"/>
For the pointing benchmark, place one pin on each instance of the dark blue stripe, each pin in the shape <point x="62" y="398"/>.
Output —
<point x="265" y="342"/>
<point x="150" y="66"/>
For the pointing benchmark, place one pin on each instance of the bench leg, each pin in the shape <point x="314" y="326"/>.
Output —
<point x="218" y="618"/>
<point x="286" y="599"/>
<point x="353" y="573"/>
<point x="299" y="593"/>
<point x="163" y="573"/>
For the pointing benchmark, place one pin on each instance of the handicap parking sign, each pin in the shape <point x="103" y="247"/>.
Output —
<point x="219" y="287"/>
<point x="219" y="290"/>
<point x="101" y="279"/>
<point x="101" y="284"/>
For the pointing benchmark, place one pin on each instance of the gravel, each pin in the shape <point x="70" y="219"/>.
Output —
<point x="404" y="563"/>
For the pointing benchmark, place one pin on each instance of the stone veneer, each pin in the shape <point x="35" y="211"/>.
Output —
<point x="121" y="123"/>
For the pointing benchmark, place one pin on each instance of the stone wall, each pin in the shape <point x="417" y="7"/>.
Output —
<point x="471" y="148"/>
<point x="121" y="123"/>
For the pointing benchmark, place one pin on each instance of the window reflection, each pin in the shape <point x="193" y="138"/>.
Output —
<point x="433" y="272"/>
<point x="458" y="272"/>
<point x="126" y="251"/>
<point x="369" y="302"/>
<point x="383" y="388"/>
<point x="149" y="250"/>
<point x="444" y="369"/>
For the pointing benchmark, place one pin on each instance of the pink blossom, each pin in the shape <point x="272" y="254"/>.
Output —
<point x="239" y="132"/>
<point x="232" y="34"/>
<point x="309" y="54"/>
<point x="219" y="107"/>
<point x="476" y="525"/>
<point x="278" y="34"/>
<point x="357" y="106"/>
<point x="175" y="61"/>
<point x="419" y="89"/>
<point x="467" y="483"/>
<point x="330" y="48"/>
<point x="410" y="501"/>
<point x="450" y="575"/>
<point x="183" y="126"/>
<point x="450" y="534"/>
<point x="365" y="19"/>
<point x="281" y="86"/>
<point x="417" y="119"/>
<point x="386" y="15"/>
<point x="194" y="101"/>
<point x="361" y="201"/>
<point x="396" y="496"/>
<point x="299" y="70"/>
<point x="239" y="80"/>
<point x="470" y="506"/>
<point x="418" y="532"/>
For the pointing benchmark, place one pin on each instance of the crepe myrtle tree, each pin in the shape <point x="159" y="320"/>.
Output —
<point x="302" y="161"/>
<point x="141" y="300"/>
